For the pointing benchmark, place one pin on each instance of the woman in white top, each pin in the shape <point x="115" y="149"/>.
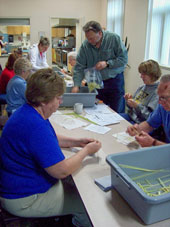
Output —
<point x="37" y="54"/>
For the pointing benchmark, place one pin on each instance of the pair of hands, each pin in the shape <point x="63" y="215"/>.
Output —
<point x="91" y="145"/>
<point x="130" y="101"/>
<point x="143" y="138"/>
<point x="99" y="66"/>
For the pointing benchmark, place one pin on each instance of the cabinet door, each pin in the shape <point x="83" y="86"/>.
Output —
<point x="18" y="30"/>
<point x="58" y="32"/>
<point x="53" y="55"/>
<point x="73" y="31"/>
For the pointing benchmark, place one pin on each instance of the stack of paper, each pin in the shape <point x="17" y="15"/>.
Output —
<point x="97" y="128"/>
<point x="102" y="115"/>
<point x="67" y="121"/>
<point x="124" y="138"/>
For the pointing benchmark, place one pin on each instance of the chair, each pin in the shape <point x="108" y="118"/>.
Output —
<point x="58" y="221"/>
<point x="2" y="101"/>
<point x="6" y="218"/>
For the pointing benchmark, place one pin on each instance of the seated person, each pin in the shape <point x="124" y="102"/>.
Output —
<point x="2" y="44"/>
<point x="72" y="61"/>
<point x="18" y="52"/>
<point x="37" y="54"/>
<point x="145" y="99"/>
<point x="32" y="162"/>
<point x="17" y="85"/>
<point x="7" y="73"/>
<point x="160" y="116"/>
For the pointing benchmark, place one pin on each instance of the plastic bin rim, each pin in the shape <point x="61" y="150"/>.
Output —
<point x="126" y="178"/>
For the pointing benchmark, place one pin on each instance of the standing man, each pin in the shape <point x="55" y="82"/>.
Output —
<point x="160" y="116"/>
<point x="106" y="52"/>
<point x="37" y="54"/>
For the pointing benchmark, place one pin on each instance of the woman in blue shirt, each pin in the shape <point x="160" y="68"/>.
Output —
<point x="32" y="162"/>
<point x="17" y="85"/>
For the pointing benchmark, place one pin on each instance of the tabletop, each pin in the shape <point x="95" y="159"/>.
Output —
<point x="104" y="208"/>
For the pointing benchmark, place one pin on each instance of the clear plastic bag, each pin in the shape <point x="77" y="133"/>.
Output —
<point x="93" y="78"/>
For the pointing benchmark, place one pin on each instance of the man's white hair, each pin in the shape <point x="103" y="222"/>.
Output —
<point x="72" y="54"/>
<point x="165" y="78"/>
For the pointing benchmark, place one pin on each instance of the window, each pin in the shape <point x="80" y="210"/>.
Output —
<point x="115" y="16"/>
<point x="16" y="33"/>
<point x="158" y="32"/>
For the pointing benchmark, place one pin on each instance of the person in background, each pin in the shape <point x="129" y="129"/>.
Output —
<point x="160" y="116"/>
<point x="37" y="54"/>
<point x="17" y="85"/>
<point x="3" y="44"/>
<point x="106" y="52"/>
<point x="145" y="99"/>
<point x="7" y="73"/>
<point x="72" y="61"/>
<point x="32" y="162"/>
<point x="18" y="52"/>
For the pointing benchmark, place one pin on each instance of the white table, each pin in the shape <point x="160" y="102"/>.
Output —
<point x="104" y="208"/>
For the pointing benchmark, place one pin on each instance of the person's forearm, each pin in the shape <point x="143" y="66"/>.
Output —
<point x="67" y="166"/>
<point x="74" y="162"/>
<point x="157" y="142"/>
<point x="144" y="126"/>
<point x="66" y="142"/>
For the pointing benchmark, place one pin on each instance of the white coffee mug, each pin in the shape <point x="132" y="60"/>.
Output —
<point x="78" y="108"/>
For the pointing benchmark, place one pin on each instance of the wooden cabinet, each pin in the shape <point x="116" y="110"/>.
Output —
<point x="58" y="32"/>
<point x="53" y="55"/>
<point x="73" y="31"/>
<point x="18" y="30"/>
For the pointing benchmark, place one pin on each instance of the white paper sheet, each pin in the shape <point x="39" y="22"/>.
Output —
<point x="124" y="138"/>
<point x="97" y="128"/>
<point x="67" y="122"/>
<point x="101" y="108"/>
<point x="103" y="119"/>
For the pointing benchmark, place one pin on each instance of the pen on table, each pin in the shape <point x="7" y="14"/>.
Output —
<point x="97" y="116"/>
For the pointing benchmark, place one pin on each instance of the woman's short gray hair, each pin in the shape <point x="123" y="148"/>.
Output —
<point x="43" y="86"/>
<point x="44" y="41"/>
<point x="22" y="65"/>
<point x="165" y="78"/>
<point x="72" y="54"/>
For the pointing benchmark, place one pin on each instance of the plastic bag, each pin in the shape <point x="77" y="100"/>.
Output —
<point x="93" y="78"/>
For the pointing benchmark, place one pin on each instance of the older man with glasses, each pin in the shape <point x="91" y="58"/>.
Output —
<point x="104" y="51"/>
<point x="161" y="116"/>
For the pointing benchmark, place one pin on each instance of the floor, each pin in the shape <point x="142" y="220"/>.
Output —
<point x="65" y="221"/>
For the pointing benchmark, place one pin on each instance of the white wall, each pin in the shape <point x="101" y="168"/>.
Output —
<point x="41" y="11"/>
<point x="135" y="22"/>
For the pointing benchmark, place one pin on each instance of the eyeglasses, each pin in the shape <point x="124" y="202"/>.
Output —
<point x="164" y="99"/>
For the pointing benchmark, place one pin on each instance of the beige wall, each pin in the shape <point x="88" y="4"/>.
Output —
<point x="135" y="22"/>
<point x="40" y="13"/>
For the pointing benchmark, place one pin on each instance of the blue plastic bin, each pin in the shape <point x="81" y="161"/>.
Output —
<point x="149" y="209"/>
<point x="83" y="96"/>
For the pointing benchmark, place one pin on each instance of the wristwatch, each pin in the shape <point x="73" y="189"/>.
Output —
<point x="107" y="63"/>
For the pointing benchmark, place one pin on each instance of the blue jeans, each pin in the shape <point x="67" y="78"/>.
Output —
<point x="113" y="93"/>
